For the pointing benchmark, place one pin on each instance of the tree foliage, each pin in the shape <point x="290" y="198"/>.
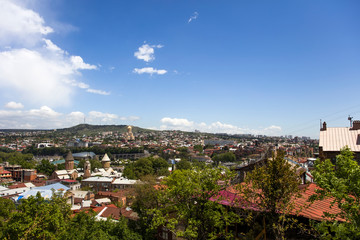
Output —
<point x="37" y="218"/>
<point x="273" y="188"/>
<point x="183" y="165"/>
<point x="342" y="184"/>
<point x="45" y="167"/>
<point x="183" y="205"/>
<point x="146" y="166"/>
<point x="25" y="160"/>
<point x="224" y="157"/>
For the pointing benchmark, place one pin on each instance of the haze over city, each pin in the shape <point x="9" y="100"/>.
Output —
<point x="259" y="67"/>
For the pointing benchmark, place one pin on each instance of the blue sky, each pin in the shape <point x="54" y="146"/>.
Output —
<point x="260" y="67"/>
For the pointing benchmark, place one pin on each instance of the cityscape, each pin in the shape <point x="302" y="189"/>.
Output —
<point x="159" y="119"/>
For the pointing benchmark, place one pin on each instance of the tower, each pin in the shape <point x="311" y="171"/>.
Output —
<point x="129" y="134"/>
<point x="69" y="161"/>
<point x="87" y="169"/>
<point x="105" y="162"/>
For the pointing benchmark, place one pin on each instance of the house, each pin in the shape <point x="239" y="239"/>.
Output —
<point x="332" y="140"/>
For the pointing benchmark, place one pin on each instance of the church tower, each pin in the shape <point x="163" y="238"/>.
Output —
<point x="105" y="162"/>
<point x="87" y="169"/>
<point x="69" y="161"/>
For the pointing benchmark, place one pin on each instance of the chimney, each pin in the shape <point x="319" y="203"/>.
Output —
<point x="355" y="125"/>
<point x="324" y="127"/>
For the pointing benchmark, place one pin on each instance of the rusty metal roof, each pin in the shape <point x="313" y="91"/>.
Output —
<point x="333" y="139"/>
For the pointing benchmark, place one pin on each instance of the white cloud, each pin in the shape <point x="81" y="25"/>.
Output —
<point x="44" y="111"/>
<point x="177" y="122"/>
<point x="131" y="118"/>
<point x="20" y="25"/>
<point x="14" y="105"/>
<point x="146" y="52"/>
<point x="52" y="47"/>
<point x="215" y="127"/>
<point x="47" y="118"/>
<point x="75" y="118"/>
<point x="78" y="63"/>
<point x="194" y="16"/>
<point x="36" y="78"/>
<point x="149" y="70"/>
<point x="96" y="91"/>
<point x="33" y="67"/>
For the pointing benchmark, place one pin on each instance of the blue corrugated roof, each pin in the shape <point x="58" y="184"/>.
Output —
<point x="45" y="191"/>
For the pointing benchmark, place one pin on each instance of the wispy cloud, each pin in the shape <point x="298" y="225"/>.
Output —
<point x="149" y="70"/>
<point x="96" y="91"/>
<point x="146" y="52"/>
<point x="215" y="127"/>
<point x="194" y="16"/>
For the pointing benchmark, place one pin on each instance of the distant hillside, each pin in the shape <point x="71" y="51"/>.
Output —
<point x="87" y="129"/>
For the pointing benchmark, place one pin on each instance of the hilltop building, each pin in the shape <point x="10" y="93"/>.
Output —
<point x="129" y="135"/>
<point x="335" y="138"/>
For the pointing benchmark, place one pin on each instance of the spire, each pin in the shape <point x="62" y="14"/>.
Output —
<point x="69" y="157"/>
<point x="106" y="158"/>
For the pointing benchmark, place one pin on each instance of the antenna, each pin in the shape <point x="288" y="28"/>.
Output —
<point x="320" y="124"/>
<point x="350" y="119"/>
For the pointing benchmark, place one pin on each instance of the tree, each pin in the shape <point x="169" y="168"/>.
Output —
<point x="224" y="157"/>
<point x="84" y="226"/>
<point x="198" y="148"/>
<point x="146" y="166"/>
<point x="6" y="208"/>
<point x="183" y="165"/>
<point x="184" y="205"/>
<point x="341" y="182"/>
<point x="38" y="219"/>
<point x="273" y="188"/>
<point x="45" y="167"/>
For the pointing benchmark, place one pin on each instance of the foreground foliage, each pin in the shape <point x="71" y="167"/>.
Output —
<point x="182" y="204"/>
<point x="342" y="184"/>
<point x="273" y="188"/>
<point x="36" y="218"/>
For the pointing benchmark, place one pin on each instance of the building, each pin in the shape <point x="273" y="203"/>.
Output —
<point x="87" y="169"/>
<point x="69" y="161"/>
<point x="19" y="174"/>
<point x="69" y="172"/>
<point x="4" y="174"/>
<point x="129" y="135"/>
<point x="332" y="140"/>
<point x="98" y="183"/>
<point x="105" y="162"/>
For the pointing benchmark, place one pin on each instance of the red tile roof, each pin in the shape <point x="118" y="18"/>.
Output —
<point x="303" y="207"/>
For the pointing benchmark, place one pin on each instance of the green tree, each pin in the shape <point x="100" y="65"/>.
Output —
<point x="184" y="206"/>
<point x="273" y="188"/>
<point x="38" y="219"/>
<point x="198" y="148"/>
<point x="183" y="165"/>
<point x="6" y="208"/>
<point x="146" y="166"/>
<point x="341" y="182"/>
<point x="45" y="167"/>
<point x="224" y="157"/>
<point x="84" y="226"/>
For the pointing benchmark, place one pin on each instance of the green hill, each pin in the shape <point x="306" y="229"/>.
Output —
<point x="87" y="129"/>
